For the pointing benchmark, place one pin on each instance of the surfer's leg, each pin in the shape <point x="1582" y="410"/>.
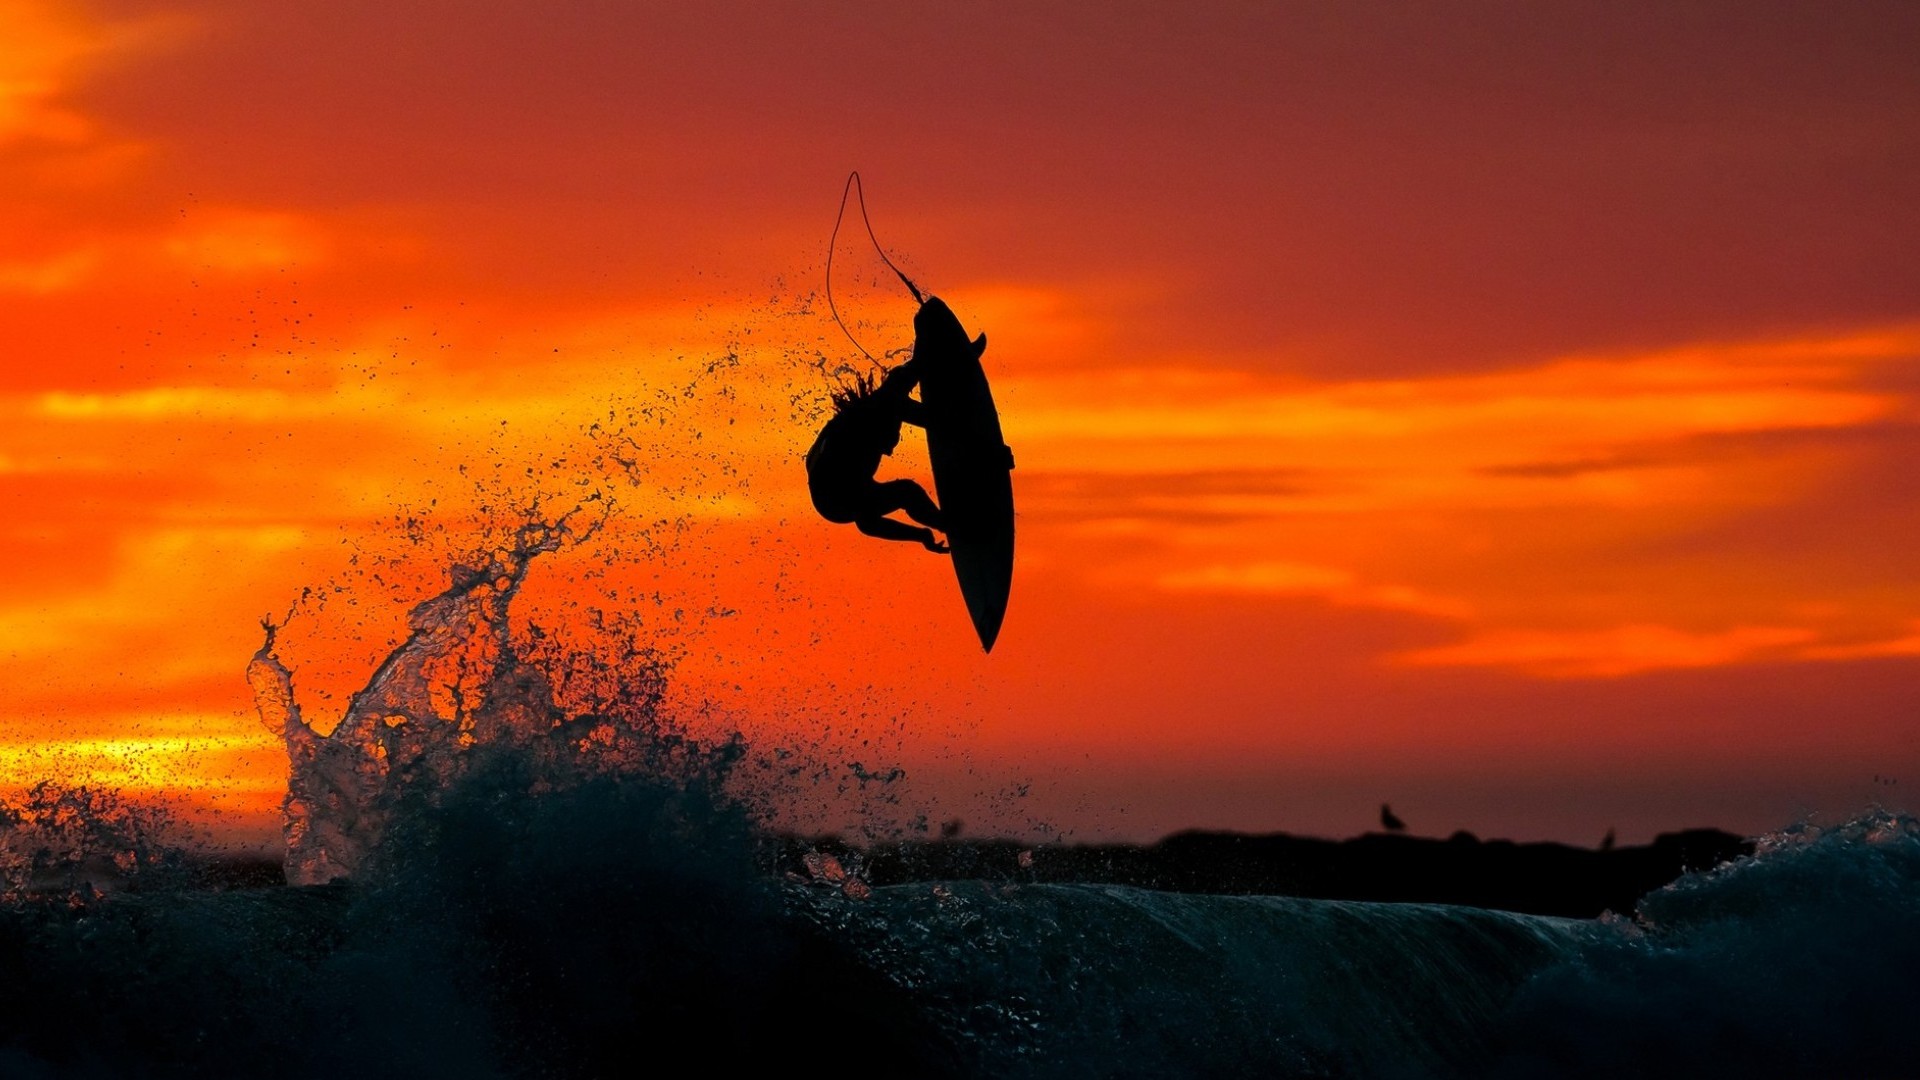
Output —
<point x="911" y="497"/>
<point x="887" y="528"/>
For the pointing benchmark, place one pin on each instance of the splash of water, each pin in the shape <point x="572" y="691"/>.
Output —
<point x="462" y="685"/>
<point x="81" y="842"/>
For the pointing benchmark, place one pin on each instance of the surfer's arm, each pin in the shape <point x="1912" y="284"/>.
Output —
<point x="913" y="412"/>
<point x="901" y="380"/>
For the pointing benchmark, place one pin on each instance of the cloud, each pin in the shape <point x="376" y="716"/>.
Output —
<point x="39" y="54"/>
<point x="231" y="241"/>
<point x="149" y="585"/>
<point x="46" y="53"/>
<point x="1562" y="419"/>
<point x="1214" y="498"/>
<point x="243" y="241"/>
<point x="1633" y="649"/>
<point x="1301" y="579"/>
<point x="1609" y="652"/>
<point x="164" y="403"/>
<point x="1484" y="490"/>
<point x="51" y="274"/>
<point x="1905" y="645"/>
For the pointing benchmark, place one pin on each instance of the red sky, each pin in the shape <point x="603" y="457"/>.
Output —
<point x="1504" y="411"/>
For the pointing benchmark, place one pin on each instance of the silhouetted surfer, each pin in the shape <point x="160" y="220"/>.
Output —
<point x="864" y="428"/>
<point x="972" y="464"/>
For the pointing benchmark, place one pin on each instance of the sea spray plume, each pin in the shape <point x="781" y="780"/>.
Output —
<point x="466" y="675"/>
<point x="581" y="686"/>
<point x="461" y="681"/>
<point x="549" y="877"/>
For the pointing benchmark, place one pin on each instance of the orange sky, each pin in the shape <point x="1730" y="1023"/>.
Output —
<point x="1507" y="412"/>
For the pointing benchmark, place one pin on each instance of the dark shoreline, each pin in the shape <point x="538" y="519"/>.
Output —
<point x="1533" y="878"/>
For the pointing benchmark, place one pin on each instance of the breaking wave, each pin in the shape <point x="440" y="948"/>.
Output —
<point x="1795" y="962"/>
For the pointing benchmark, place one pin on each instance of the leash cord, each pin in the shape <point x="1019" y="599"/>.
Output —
<point x="854" y="187"/>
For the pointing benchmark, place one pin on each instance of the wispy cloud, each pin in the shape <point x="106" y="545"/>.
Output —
<point x="40" y="52"/>
<point x="1901" y="645"/>
<point x="1587" y="421"/>
<point x="1561" y="493"/>
<point x="241" y="241"/>
<point x="47" y="51"/>
<point x="1611" y="651"/>
<point x="50" y="274"/>
<point x="1300" y="579"/>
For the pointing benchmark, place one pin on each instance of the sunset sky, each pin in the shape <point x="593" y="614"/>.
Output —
<point x="1505" y="411"/>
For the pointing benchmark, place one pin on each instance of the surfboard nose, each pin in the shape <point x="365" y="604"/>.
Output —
<point x="936" y="321"/>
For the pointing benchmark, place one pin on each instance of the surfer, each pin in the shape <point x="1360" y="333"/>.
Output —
<point x="972" y="464"/>
<point x="841" y="465"/>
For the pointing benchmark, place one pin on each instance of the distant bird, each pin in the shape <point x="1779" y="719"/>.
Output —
<point x="1606" y="842"/>
<point x="1389" y="822"/>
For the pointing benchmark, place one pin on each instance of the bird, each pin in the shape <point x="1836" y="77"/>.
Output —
<point x="1389" y="822"/>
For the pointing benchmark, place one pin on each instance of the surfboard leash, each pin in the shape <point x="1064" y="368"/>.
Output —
<point x="854" y="187"/>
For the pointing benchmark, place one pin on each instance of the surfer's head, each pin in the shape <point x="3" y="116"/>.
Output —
<point x="858" y="394"/>
<point x="863" y="404"/>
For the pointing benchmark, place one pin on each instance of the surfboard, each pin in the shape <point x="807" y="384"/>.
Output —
<point x="972" y="467"/>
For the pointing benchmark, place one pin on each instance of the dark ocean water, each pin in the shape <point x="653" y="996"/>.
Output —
<point x="622" y="926"/>
<point x="506" y="867"/>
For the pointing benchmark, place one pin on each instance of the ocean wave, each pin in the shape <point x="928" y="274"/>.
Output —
<point x="1797" y="961"/>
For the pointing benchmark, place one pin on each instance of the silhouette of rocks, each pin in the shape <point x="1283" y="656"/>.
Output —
<point x="1535" y="878"/>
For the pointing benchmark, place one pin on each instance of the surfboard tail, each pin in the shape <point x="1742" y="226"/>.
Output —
<point x="987" y="618"/>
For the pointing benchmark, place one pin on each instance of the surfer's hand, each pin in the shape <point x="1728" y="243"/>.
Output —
<point x="933" y="544"/>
